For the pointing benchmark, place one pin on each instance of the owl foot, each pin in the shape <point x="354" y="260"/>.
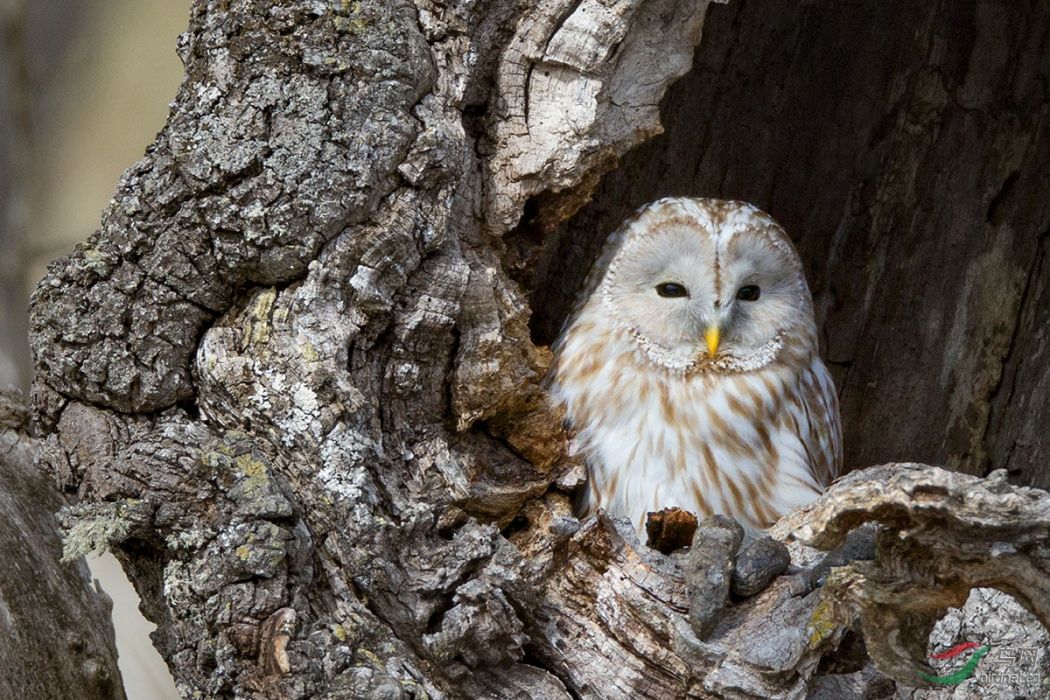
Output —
<point x="708" y="570"/>
<point x="758" y="562"/>
<point x="859" y="545"/>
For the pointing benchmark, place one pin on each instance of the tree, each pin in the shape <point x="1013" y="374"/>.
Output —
<point x="292" y="379"/>
<point x="57" y="637"/>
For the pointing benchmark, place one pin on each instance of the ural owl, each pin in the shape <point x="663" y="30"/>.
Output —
<point x="690" y="370"/>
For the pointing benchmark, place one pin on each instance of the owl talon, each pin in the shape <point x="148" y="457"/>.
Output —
<point x="758" y="562"/>
<point x="708" y="569"/>
<point x="859" y="545"/>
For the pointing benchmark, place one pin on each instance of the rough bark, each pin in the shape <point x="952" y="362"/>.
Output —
<point x="291" y="379"/>
<point x="57" y="639"/>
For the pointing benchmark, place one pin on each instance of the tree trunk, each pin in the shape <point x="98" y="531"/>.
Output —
<point x="292" y="378"/>
<point x="57" y="639"/>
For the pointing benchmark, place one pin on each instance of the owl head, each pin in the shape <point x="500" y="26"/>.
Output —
<point x="708" y="285"/>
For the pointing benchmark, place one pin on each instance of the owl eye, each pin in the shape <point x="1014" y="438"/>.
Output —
<point x="749" y="293"/>
<point x="671" y="289"/>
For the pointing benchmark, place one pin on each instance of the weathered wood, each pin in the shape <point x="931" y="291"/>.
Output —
<point x="344" y="442"/>
<point x="942" y="535"/>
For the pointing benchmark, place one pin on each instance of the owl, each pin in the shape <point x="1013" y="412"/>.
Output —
<point x="690" y="371"/>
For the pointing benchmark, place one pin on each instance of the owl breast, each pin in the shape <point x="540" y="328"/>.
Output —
<point x="751" y="445"/>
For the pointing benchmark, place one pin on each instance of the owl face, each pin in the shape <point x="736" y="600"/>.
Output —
<point x="708" y="284"/>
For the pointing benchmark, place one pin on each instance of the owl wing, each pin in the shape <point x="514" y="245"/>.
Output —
<point x="817" y="422"/>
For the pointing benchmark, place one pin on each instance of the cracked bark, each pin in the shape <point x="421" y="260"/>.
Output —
<point x="292" y="381"/>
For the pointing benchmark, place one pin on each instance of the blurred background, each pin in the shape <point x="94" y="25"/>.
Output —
<point x="84" y="88"/>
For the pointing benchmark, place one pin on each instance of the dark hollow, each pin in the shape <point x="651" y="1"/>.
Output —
<point x="905" y="147"/>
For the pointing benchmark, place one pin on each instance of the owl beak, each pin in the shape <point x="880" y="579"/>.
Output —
<point x="711" y="335"/>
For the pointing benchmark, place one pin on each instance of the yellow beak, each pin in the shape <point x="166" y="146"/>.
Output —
<point x="711" y="335"/>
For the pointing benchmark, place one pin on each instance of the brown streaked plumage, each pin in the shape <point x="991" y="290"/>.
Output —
<point x="690" y="369"/>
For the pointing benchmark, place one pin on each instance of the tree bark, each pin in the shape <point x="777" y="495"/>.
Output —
<point x="292" y="378"/>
